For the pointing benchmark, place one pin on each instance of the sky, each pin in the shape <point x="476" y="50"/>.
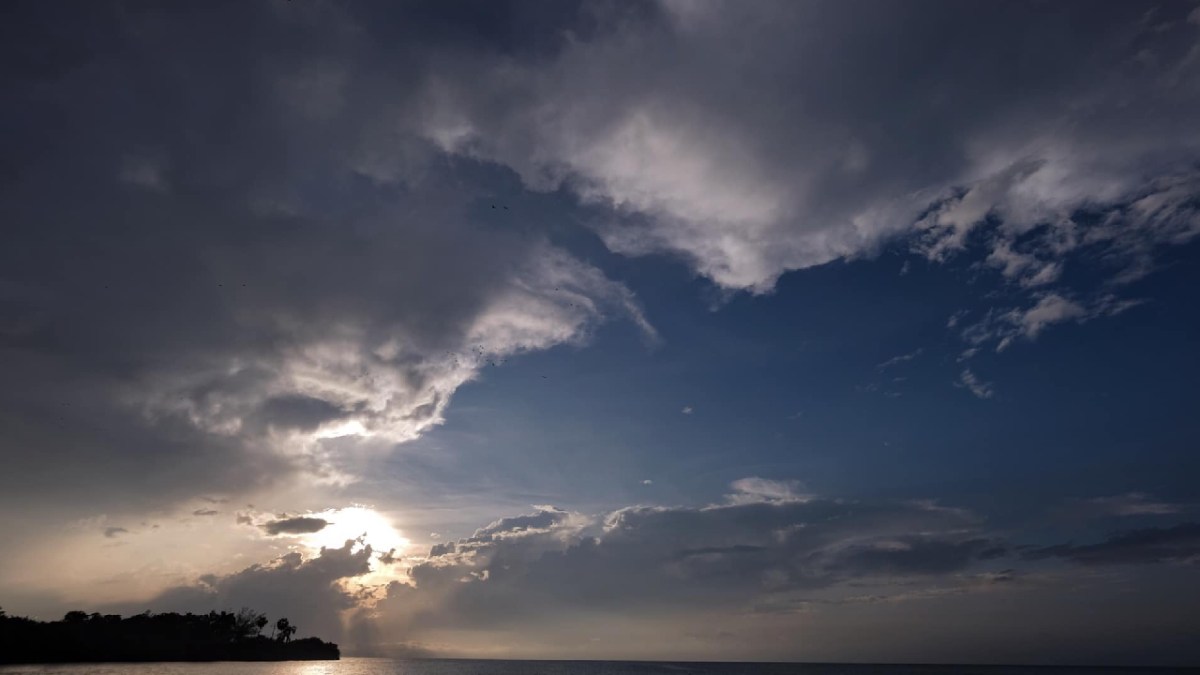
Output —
<point x="676" y="329"/>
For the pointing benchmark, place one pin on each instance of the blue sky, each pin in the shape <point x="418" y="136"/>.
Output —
<point x="845" y="375"/>
<point x="655" y="330"/>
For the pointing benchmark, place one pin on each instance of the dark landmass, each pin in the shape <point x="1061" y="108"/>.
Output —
<point x="216" y="636"/>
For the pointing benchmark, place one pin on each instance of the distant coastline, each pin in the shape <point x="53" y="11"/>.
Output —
<point x="217" y="636"/>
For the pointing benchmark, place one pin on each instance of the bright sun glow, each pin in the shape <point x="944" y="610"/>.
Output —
<point x="354" y="522"/>
<point x="350" y="428"/>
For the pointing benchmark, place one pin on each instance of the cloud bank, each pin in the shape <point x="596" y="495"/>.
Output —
<point x="764" y="553"/>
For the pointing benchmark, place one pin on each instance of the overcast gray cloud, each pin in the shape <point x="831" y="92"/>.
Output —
<point x="198" y="302"/>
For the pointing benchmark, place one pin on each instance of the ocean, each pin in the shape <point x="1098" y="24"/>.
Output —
<point x="363" y="666"/>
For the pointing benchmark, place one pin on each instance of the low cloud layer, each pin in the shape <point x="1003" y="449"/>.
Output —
<point x="1178" y="544"/>
<point x="764" y="547"/>
<point x="765" y="552"/>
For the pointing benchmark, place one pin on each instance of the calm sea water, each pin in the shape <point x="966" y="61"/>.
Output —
<point x="357" y="666"/>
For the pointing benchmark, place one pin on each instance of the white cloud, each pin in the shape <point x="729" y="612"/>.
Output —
<point x="747" y="180"/>
<point x="1133" y="504"/>
<point x="754" y="490"/>
<point x="1003" y="327"/>
<point x="362" y="381"/>
<point x="897" y="360"/>
<point x="974" y="385"/>
<point x="1050" y="309"/>
<point x="1026" y="268"/>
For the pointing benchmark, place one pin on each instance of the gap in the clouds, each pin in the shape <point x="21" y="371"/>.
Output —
<point x="1102" y="406"/>
<point x="782" y="386"/>
<point x="773" y="382"/>
<point x="789" y="385"/>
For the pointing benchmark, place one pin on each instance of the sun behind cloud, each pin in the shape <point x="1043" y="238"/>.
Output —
<point x="354" y="522"/>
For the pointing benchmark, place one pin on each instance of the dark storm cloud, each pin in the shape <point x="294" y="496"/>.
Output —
<point x="113" y="532"/>
<point x="225" y="235"/>
<point x="1180" y="543"/>
<point x="205" y="512"/>
<point x="296" y="525"/>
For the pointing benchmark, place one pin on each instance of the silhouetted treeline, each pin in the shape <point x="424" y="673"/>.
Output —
<point x="216" y="636"/>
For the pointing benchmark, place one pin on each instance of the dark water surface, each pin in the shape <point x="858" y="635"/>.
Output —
<point x="359" y="666"/>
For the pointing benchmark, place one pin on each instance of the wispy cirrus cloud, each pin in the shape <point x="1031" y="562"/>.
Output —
<point x="971" y="382"/>
<point x="1176" y="544"/>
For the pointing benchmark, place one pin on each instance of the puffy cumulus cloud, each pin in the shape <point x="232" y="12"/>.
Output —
<point x="547" y="519"/>
<point x="309" y="591"/>
<point x="751" y="139"/>
<point x="757" y="138"/>
<point x="212" y="289"/>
